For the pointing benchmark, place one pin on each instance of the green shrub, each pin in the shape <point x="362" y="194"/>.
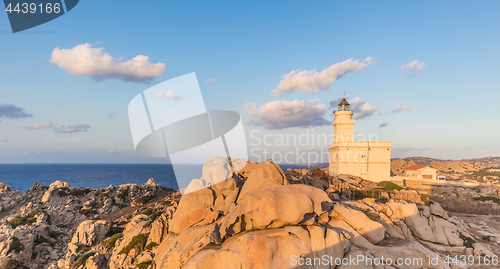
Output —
<point x="151" y="245"/>
<point x="487" y="237"/>
<point x="121" y="223"/>
<point x="35" y="213"/>
<point x="167" y="189"/>
<point x="31" y="221"/>
<point x="115" y="230"/>
<point x="147" y="224"/>
<point x="467" y="241"/>
<point x="144" y="265"/>
<point x="87" y="212"/>
<point x="61" y="226"/>
<point x="488" y="198"/>
<point x="154" y="215"/>
<point x="81" y="248"/>
<point x="16" y="245"/>
<point x="389" y="186"/>
<point x="137" y="243"/>
<point x="79" y="192"/>
<point x="64" y="189"/>
<point x="372" y="216"/>
<point x="17" y="221"/>
<point x="148" y="211"/>
<point x="62" y="193"/>
<point x="41" y="240"/>
<point x="166" y="203"/>
<point x="80" y="261"/>
<point x="55" y="234"/>
<point x="425" y="198"/>
<point x="100" y="204"/>
<point x="111" y="242"/>
<point x="122" y="193"/>
<point x="143" y="199"/>
<point x="14" y="264"/>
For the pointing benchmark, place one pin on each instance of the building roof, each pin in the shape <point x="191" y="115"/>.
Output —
<point x="344" y="102"/>
<point x="414" y="167"/>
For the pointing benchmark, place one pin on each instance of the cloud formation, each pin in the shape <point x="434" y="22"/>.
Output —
<point x="83" y="60"/>
<point x="384" y="124"/>
<point x="362" y="109"/>
<point x="413" y="68"/>
<point x="169" y="95"/>
<point x="59" y="128"/>
<point x="312" y="81"/>
<point x="210" y="80"/>
<point x="112" y="115"/>
<point x="282" y="114"/>
<point x="9" y="111"/>
<point x="402" y="108"/>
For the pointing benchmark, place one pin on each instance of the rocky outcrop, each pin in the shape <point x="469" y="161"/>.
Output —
<point x="244" y="215"/>
<point x="373" y="231"/>
<point x="265" y="175"/>
<point x="91" y="231"/>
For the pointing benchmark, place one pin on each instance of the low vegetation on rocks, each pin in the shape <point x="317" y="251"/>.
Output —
<point x="137" y="243"/>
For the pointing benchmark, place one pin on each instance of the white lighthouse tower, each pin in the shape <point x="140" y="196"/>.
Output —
<point x="367" y="159"/>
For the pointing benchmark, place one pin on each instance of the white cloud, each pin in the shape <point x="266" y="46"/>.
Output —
<point x="169" y="95"/>
<point x="282" y="114"/>
<point x="83" y="60"/>
<point x="73" y="129"/>
<point x="210" y="80"/>
<point x="59" y="128"/>
<point x="28" y="152"/>
<point x="413" y="68"/>
<point x="384" y="124"/>
<point x="112" y="151"/>
<point x="40" y="126"/>
<point x="362" y="109"/>
<point x="312" y="81"/>
<point x="402" y="108"/>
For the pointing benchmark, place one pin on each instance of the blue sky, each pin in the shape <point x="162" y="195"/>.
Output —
<point x="247" y="47"/>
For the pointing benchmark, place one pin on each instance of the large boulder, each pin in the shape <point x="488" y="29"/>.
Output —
<point x="417" y="223"/>
<point x="445" y="232"/>
<point x="437" y="210"/>
<point x="217" y="170"/>
<point x="91" y="231"/>
<point x="60" y="184"/>
<point x="174" y="250"/>
<point x="194" y="207"/>
<point x="275" y="248"/>
<point x="482" y="249"/>
<point x="265" y="175"/>
<point x="275" y="207"/>
<point x="371" y="230"/>
<point x="159" y="229"/>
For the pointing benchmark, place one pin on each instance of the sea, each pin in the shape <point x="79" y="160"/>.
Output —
<point x="23" y="176"/>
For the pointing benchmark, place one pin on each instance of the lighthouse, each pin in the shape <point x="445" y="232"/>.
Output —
<point x="369" y="160"/>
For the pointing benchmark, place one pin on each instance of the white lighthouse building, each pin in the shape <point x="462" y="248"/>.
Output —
<point x="367" y="159"/>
